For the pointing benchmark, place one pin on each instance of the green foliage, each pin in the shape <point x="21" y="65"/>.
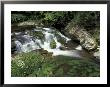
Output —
<point x="59" y="19"/>
<point x="76" y="68"/>
<point x="16" y="18"/>
<point x="50" y="18"/>
<point x="33" y="64"/>
<point x="25" y="63"/>
<point x="53" y="44"/>
<point x="46" y="70"/>
<point x="83" y="69"/>
<point x="53" y="16"/>
<point x="87" y="19"/>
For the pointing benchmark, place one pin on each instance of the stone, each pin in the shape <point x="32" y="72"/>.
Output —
<point x="97" y="54"/>
<point x="13" y="47"/>
<point x="77" y="33"/>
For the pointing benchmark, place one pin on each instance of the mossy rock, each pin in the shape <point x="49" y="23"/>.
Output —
<point x="37" y="34"/>
<point x="60" y="39"/>
<point x="53" y="44"/>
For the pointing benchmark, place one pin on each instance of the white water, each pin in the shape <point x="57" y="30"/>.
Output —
<point x="27" y="43"/>
<point x="78" y="47"/>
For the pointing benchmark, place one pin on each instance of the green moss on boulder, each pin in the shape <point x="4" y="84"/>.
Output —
<point x="37" y="34"/>
<point x="53" y="44"/>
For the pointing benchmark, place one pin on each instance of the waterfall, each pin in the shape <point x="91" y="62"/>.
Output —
<point x="26" y="42"/>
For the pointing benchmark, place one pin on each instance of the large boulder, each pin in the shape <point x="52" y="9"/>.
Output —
<point x="78" y="33"/>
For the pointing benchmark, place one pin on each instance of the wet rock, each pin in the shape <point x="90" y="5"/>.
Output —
<point x="97" y="54"/>
<point x="78" y="47"/>
<point x="46" y="54"/>
<point x="31" y="23"/>
<point x="63" y="48"/>
<point x="77" y="33"/>
<point x="13" y="47"/>
<point x="15" y="28"/>
<point x="25" y="25"/>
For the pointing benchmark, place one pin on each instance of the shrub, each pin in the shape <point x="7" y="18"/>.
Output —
<point x="16" y="18"/>
<point x="25" y="63"/>
<point x="87" y="19"/>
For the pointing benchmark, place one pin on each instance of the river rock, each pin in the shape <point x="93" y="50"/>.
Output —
<point x="26" y="25"/>
<point x="31" y="23"/>
<point x="77" y="33"/>
<point x="97" y="54"/>
<point x="63" y="48"/>
<point x="13" y="47"/>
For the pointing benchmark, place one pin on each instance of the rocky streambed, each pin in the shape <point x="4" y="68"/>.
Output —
<point x="48" y="39"/>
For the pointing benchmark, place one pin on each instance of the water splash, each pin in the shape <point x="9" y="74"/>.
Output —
<point x="26" y="43"/>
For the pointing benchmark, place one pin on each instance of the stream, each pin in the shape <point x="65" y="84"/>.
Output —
<point x="48" y="39"/>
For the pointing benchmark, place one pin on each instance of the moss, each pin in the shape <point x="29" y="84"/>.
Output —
<point x="60" y="39"/>
<point x="37" y="34"/>
<point x="53" y="44"/>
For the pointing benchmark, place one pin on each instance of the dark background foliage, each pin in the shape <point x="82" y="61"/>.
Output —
<point x="59" y="19"/>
